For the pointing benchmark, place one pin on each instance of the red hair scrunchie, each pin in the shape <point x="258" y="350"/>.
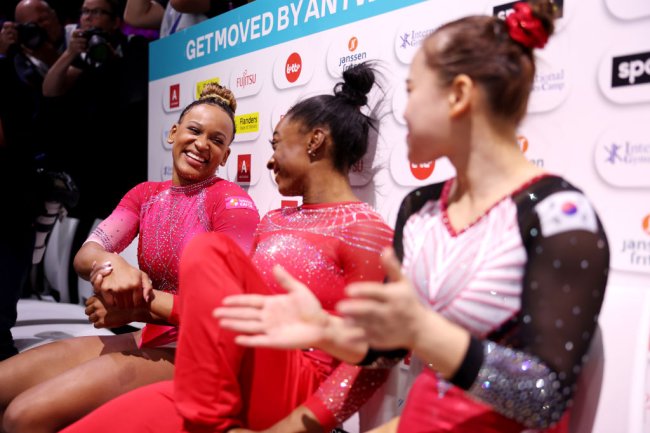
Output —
<point x="526" y="28"/>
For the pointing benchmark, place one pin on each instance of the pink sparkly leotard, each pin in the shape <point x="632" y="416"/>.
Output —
<point x="166" y="217"/>
<point x="219" y="384"/>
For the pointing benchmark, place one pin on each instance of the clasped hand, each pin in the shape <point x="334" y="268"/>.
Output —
<point x="119" y="284"/>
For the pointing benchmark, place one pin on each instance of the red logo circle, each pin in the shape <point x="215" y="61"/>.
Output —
<point x="353" y="43"/>
<point x="422" y="170"/>
<point x="293" y="67"/>
<point x="523" y="143"/>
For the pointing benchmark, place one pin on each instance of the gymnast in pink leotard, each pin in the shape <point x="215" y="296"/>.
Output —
<point x="46" y="388"/>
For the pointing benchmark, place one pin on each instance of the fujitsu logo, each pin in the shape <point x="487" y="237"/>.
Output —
<point x="630" y="70"/>
<point x="246" y="79"/>
<point x="293" y="67"/>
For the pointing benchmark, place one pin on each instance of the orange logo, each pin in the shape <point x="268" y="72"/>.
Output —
<point x="293" y="67"/>
<point x="423" y="170"/>
<point x="646" y="224"/>
<point x="523" y="143"/>
<point x="353" y="43"/>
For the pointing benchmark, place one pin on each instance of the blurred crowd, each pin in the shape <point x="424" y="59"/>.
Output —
<point x="73" y="120"/>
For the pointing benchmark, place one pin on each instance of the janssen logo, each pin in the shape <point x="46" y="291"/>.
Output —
<point x="352" y="58"/>
<point x="524" y="145"/>
<point x="635" y="251"/>
<point x="293" y="67"/>
<point x="503" y="10"/>
<point x="631" y="70"/>
<point x="346" y="51"/>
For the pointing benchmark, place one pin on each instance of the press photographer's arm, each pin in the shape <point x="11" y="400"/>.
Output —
<point x="63" y="74"/>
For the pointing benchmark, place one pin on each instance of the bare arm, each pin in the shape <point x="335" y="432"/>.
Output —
<point x="62" y="74"/>
<point x="191" y="6"/>
<point x="146" y="14"/>
<point x="122" y="285"/>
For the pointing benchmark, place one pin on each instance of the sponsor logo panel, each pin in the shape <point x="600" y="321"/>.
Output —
<point x="247" y="126"/>
<point x="246" y="82"/>
<point x="622" y="156"/>
<point x="624" y="73"/>
<point x="172" y="98"/>
<point x="293" y="68"/>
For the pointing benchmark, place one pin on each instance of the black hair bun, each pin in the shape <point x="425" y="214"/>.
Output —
<point x="357" y="82"/>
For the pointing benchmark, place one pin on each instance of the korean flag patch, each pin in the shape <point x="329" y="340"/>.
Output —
<point x="565" y="211"/>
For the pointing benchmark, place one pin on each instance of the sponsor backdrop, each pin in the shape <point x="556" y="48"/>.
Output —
<point x="588" y="117"/>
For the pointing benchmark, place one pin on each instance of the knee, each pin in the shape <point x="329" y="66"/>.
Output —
<point x="20" y="416"/>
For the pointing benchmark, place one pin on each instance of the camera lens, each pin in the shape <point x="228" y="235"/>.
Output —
<point x="31" y="35"/>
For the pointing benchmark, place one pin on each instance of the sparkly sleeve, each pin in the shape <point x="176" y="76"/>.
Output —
<point x="119" y="229"/>
<point x="529" y="374"/>
<point x="348" y="387"/>
<point x="233" y="212"/>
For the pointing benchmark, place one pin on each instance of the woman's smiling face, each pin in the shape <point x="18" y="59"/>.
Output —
<point x="201" y="142"/>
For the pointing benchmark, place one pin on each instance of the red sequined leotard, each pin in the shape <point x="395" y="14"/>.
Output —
<point x="219" y="384"/>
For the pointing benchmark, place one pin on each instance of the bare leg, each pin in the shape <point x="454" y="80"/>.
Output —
<point x="63" y="382"/>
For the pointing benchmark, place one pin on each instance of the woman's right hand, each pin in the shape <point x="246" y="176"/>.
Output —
<point x="294" y="320"/>
<point x="121" y="285"/>
<point x="102" y="315"/>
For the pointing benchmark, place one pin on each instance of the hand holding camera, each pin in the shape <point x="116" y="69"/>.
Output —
<point x="95" y="45"/>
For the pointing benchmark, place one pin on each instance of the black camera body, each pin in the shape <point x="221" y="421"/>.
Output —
<point x="31" y="35"/>
<point x="99" y="49"/>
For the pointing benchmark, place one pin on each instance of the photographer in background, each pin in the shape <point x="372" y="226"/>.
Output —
<point x="29" y="45"/>
<point x="96" y="103"/>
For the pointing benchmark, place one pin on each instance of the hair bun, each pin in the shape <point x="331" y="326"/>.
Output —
<point x="220" y="93"/>
<point x="531" y="24"/>
<point x="357" y="82"/>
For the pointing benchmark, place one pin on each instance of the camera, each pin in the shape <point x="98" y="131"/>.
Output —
<point x="31" y="35"/>
<point x="99" y="48"/>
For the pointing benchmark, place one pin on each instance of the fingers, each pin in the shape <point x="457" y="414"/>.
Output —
<point x="237" y="313"/>
<point x="253" y="340"/>
<point x="253" y="301"/>
<point x="391" y="265"/>
<point x="358" y="309"/>
<point x="243" y="326"/>
<point x="375" y="291"/>
<point x="147" y="288"/>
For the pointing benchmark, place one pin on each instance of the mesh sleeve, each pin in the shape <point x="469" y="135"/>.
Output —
<point x="118" y="230"/>
<point x="530" y="375"/>
<point x="349" y="387"/>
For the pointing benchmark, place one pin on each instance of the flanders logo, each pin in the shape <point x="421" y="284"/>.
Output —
<point x="247" y="123"/>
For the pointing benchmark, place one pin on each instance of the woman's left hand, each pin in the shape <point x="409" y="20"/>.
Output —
<point x="390" y="314"/>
